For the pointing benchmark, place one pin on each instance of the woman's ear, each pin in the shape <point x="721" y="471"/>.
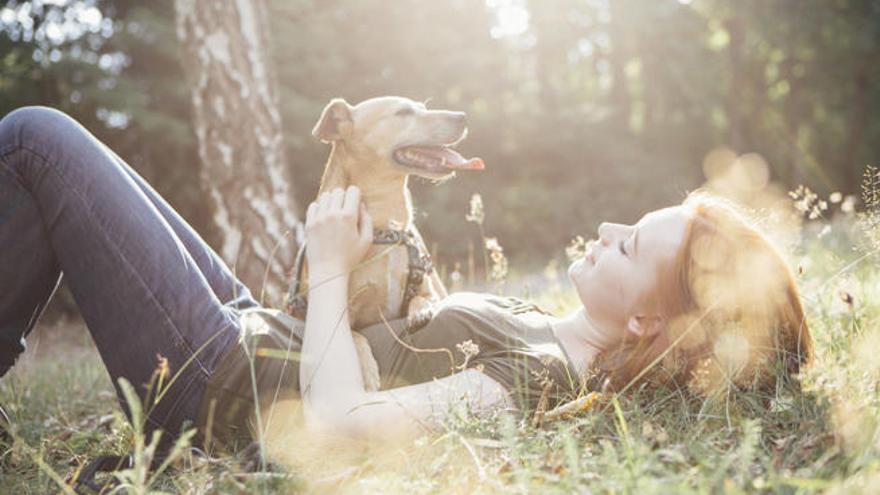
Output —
<point x="645" y="326"/>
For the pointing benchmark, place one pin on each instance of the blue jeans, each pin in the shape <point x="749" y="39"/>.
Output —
<point x="146" y="284"/>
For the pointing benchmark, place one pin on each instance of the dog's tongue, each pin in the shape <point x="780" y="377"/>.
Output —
<point x="455" y="161"/>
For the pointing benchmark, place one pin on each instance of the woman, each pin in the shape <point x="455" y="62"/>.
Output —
<point x="689" y="295"/>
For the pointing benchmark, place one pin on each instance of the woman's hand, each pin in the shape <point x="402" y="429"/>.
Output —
<point x="338" y="231"/>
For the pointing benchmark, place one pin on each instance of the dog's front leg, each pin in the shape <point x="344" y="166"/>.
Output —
<point x="418" y="304"/>
<point x="432" y="287"/>
<point x="420" y="311"/>
<point x="369" y="367"/>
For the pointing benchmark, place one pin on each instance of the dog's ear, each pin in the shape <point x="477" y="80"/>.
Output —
<point x="335" y="121"/>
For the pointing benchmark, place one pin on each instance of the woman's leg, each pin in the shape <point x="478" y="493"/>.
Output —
<point x="229" y="289"/>
<point x="69" y="205"/>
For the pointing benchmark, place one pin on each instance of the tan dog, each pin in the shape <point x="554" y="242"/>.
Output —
<point x="376" y="145"/>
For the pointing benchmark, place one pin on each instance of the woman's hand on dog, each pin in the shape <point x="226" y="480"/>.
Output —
<point x="338" y="231"/>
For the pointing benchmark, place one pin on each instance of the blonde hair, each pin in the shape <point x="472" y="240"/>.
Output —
<point x="733" y="313"/>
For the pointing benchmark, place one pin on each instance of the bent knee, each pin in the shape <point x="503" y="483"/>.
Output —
<point x="26" y="124"/>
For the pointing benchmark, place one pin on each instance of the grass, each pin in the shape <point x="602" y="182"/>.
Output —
<point x="817" y="436"/>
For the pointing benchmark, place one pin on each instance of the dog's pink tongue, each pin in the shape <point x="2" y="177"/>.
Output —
<point x="455" y="161"/>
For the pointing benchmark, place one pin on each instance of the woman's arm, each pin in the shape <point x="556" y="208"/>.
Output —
<point x="339" y="232"/>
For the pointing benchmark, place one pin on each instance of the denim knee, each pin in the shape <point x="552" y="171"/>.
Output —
<point x="27" y="126"/>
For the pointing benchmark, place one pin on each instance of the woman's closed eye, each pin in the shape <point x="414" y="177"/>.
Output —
<point x="622" y="248"/>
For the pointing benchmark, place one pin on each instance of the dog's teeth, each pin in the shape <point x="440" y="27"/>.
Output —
<point x="443" y="162"/>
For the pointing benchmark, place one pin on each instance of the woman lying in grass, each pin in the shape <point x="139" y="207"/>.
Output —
<point x="689" y="296"/>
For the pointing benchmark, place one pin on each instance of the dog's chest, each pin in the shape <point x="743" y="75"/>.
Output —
<point x="376" y="289"/>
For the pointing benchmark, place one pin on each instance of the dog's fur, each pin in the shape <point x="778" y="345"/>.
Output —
<point x="366" y="141"/>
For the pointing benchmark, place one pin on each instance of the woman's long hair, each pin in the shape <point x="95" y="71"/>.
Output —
<point x="732" y="312"/>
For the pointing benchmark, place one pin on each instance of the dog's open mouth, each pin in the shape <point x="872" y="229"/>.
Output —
<point x="439" y="159"/>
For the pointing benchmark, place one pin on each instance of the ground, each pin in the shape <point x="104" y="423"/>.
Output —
<point x="817" y="435"/>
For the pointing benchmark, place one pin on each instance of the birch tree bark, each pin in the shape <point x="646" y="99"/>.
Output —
<point x="225" y="55"/>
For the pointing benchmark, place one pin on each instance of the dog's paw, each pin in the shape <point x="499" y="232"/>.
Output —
<point x="418" y="304"/>
<point x="419" y="319"/>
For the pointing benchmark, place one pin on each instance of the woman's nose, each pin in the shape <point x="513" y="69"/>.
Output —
<point x="609" y="231"/>
<point x="603" y="233"/>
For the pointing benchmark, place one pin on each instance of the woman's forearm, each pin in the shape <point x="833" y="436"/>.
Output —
<point x="339" y="232"/>
<point x="330" y="376"/>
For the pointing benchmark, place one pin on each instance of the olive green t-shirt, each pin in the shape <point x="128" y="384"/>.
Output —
<point x="506" y="338"/>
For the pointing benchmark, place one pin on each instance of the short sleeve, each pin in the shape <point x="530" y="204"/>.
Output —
<point x="527" y="376"/>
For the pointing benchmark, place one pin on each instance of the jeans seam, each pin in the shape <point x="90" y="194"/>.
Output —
<point x="179" y="337"/>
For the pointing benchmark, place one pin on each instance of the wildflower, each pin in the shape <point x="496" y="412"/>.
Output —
<point x="476" y="213"/>
<point x="871" y="187"/>
<point x="869" y="219"/>
<point x="499" y="266"/>
<point x="576" y="249"/>
<point x="493" y="245"/>
<point x="456" y="278"/>
<point x="849" y="204"/>
<point x="807" y="202"/>
<point x="498" y="270"/>
<point x="835" y="197"/>
<point x="469" y="349"/>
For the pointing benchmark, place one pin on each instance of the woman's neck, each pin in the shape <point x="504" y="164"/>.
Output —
<point x="581" y="338"/>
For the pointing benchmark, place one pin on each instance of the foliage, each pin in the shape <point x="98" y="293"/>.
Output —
<point x="583" y="110"/>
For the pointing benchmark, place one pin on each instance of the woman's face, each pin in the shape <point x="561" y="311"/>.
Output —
<point x="620" y="273"/>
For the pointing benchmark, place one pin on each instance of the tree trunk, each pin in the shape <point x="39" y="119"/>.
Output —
<point x="244" y="169"/>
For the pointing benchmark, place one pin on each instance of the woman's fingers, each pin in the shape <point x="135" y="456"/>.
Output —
<point x="345" y="202"/>
<point x="352" y="200"/>
<point x="323" y="202"/>
<point x="337" y="196"/>
<point x="339" y="230"/>
<point x="366" y="226"/>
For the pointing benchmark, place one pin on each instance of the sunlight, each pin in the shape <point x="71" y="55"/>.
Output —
<point x="505" y="329"/>
<point x="511" y="18"/>
<point x="63" y="21"/>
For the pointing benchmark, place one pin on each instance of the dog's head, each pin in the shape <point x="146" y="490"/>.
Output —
<point x="396" y="135"/>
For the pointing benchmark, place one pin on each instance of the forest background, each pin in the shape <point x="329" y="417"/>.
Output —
<point x="584" y="110"/>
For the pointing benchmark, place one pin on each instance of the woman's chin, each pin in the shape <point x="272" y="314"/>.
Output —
<point x="575" y="268"/>
<point x="576" y="273"/>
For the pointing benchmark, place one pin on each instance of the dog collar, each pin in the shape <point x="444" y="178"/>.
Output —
<point x="420" y="264"/>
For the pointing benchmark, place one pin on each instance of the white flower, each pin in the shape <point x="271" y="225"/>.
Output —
<point x="476" y="213"/>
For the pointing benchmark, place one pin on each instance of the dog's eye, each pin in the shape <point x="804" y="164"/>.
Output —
<point x="403" y="112"/>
